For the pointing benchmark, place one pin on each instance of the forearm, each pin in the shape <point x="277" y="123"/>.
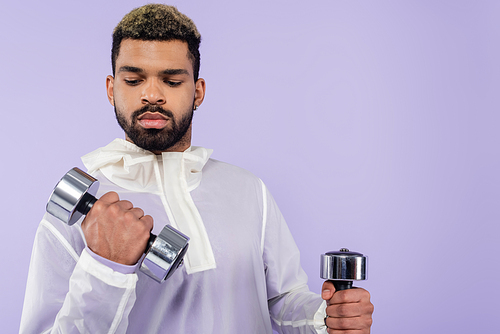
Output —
<point x="99" y="300"/>
<point x="68" y="293"/>
<point x="298" y="312"/>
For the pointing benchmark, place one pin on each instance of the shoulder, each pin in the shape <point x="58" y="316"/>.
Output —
<point x="227" y="175"/>
<point x="228" y="171"/>
<point x="220" y="166"/>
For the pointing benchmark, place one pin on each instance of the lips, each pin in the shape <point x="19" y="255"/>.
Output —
<point x="152" y="120"/>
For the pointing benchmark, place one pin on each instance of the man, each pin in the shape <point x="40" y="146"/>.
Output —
<point x="242" y="272"/>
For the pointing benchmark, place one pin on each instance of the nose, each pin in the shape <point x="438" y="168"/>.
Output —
<point x="152" y="93"/>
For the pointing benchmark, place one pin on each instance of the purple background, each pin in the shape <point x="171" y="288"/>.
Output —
<point x="373" y="123"/>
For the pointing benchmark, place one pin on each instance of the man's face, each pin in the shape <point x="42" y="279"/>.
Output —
<point x="154" y="93"/>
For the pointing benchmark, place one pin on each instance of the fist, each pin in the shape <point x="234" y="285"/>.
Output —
<point x="117" y="231"/>
<point x="348" y="311"/>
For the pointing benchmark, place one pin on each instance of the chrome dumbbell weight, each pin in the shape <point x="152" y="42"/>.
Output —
<point x="343" y="267"/>
<point x="74" y="196"/>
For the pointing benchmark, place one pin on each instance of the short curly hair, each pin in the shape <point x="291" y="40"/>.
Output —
<point x="158" y="22"/>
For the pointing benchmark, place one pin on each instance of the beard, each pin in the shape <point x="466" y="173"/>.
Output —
<point x="155" y="140"/>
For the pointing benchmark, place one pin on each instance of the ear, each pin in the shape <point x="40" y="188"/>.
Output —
<point x="199" y="93"/>
<point x="109" y="89"/>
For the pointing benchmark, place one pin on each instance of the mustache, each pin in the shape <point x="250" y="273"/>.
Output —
<point x="152" y="109"/>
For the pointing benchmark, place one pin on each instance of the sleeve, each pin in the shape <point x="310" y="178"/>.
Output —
<point x="69" y="292"/>
<point x="293" y="308"/>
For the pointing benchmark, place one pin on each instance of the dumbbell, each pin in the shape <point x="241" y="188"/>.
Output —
<point x="74" y="196"/>
<point x="343" y="267"/>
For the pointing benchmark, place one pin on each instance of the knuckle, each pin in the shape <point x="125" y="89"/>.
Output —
<point x="343" y="296"/>
<point x="129" y="216"/>
<point x="139" y="211"/>
<point x="98" y="206"/>
<point x="148" y="220"/>
<point x="124" y="201"/>
<point x="127" y="205"/>
<point x="110" y="197"/>
<point x="114" y="209"/>
<point x="113" y="194"/>
<point x="364" y="294"/>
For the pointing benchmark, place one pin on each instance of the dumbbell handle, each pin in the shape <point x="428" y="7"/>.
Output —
<point x="341" y="285"/>
<point x="87" y="202"/>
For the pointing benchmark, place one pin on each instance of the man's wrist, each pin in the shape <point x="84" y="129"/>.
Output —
<point x="118" y="267"/>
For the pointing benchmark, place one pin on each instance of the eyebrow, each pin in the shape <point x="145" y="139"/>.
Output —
<point x="130" y="69"/>
<point x="174" y="71"/>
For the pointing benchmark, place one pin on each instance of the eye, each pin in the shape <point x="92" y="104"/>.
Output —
<point x="173" y="83"/>
<point x="132" y="82"/>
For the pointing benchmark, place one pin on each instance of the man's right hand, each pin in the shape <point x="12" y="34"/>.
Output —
<point x="116" y="230"/>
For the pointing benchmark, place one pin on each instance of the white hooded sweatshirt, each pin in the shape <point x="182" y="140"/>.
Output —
<point x="242" y="272"/>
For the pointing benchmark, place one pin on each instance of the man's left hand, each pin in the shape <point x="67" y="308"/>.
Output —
<point x="348" y="311"/>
